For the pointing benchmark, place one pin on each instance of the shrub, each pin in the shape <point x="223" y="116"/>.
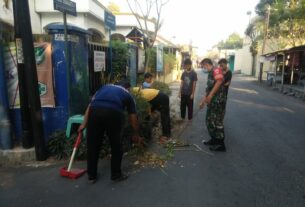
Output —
<point x="61" y="147"/>
<point x="120" y="55"/>
<point x="163" y="87"/>
<point x="152" y="65"/>
<point x="169" y="63"/>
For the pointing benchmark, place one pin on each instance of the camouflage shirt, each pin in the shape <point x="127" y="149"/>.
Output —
<point x="214" y="75"/>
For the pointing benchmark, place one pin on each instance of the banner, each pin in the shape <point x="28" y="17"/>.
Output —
<point x="43" y="57"/>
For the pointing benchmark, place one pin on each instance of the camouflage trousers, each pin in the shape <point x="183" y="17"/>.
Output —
<point x="214" y="120"/>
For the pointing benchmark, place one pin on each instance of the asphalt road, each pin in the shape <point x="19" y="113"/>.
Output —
<point x="264" y="164"/>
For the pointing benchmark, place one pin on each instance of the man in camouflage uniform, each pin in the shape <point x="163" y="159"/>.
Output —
<point x="215" y="100"/>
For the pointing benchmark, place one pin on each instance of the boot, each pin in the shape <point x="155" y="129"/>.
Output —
<point x="219" y="146"/>
<point x="212" y="141"/>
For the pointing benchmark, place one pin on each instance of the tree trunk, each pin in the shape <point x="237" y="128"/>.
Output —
<point x="146" y="68"/>
<point x="253" y="72"/>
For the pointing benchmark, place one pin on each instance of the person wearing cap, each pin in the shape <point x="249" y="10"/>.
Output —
<point x="105" y="114"/>
<point x="159" y="101"/>
<point x="215" y="101"/>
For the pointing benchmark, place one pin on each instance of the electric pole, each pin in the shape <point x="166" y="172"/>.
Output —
<point x="264" y="43"/>
<point x="25" y="56"/>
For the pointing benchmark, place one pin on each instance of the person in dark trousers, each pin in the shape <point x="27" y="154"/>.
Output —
<point x="160" y="102"/>
<point x="187" y="89"/>
<point x="105" y="113"/>
<point x="215" y="101"/>
<point x="223" y="63"/>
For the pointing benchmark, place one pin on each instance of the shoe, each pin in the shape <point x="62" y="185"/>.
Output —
<point x="210" y="142"/>
<point x="218" y="148"/>
<point x="119" y="178"/>
<point x="92" y="180"/>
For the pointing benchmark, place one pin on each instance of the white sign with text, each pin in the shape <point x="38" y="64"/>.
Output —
<point x="99" y="61"/>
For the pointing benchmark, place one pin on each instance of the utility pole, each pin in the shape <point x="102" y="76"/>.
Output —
<point x="264" y="43"/>
<point x="249" y="14"/>
<point x="25" y="43"/>
<point x="27" y="135"/>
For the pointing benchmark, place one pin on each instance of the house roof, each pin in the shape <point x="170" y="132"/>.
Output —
<point x="288" y="50"/>
<point x="136" y="35"/>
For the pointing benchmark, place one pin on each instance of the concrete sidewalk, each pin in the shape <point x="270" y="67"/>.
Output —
<point x="20" y="156"/>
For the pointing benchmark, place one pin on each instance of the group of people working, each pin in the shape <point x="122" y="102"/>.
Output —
<point x="105" y="113"/>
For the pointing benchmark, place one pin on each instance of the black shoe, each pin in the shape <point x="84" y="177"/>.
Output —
<point x="119" y="178"/>
<point x="210" y="142"/>
<point x="92" y="180"/>
<point x="218" y="148"/>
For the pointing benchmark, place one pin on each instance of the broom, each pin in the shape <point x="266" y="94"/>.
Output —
<point x="69" y="172"/>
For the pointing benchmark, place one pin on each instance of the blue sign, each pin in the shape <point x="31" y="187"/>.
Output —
<point x="65" y="6"/>
<point x="159" y="58"/>
<point x="109" y="19"/>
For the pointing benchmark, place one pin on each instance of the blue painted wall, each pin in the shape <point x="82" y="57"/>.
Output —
<point x="5" y="132"/>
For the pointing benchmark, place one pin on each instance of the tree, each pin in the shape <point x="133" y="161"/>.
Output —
<point x="286" y="22"/>
<point x="254" y="33"/>
<point x="146" y="12"/>
<point x="234" y="41"/>
<point x="261" y="7"/>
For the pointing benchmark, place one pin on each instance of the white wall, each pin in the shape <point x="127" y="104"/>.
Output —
<point x="92" y="22"/>
<point x="130" y="20"/>
<point x="35" y="18"/>
<point x="90" y="14"/>
<point x="47" y="6"/>
<point x="243" y="60"/>
<point x="6" y="15"/>
<point x="123" y="30"/>
<point x="47" y="18"/>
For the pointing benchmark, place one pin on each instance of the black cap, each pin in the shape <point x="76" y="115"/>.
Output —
<point x="123" y="83"/>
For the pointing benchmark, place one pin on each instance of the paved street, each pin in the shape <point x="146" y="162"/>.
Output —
<point x="264" y="164"/>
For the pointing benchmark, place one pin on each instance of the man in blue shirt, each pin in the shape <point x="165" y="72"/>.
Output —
<point x="105" y="113"/>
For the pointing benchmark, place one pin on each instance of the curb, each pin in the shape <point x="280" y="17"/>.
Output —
<point x="16" y="156"/>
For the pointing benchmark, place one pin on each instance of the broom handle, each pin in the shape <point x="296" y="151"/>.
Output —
<point x="72" y="158"/>
<point x="78" y="140"/>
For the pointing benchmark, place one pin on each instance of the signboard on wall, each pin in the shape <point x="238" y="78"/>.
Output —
<point x="99" y="61"/>
<point x="43" y="58"/>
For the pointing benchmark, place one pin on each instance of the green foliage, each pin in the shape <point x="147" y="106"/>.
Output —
<point x="234" y="41"/>
<point x="61" y="147"/>
<point x="261" y="7"/>
<point x="169" y="62"/>
<point x="142" y="105"/>
<point x="140" y="79"/>
<point x="119" y="58"/>
<point x="163" y="87"/>
<point x="152" y="65"/>
<point x="286" y="22"/>
<point x="254" y="32"/>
